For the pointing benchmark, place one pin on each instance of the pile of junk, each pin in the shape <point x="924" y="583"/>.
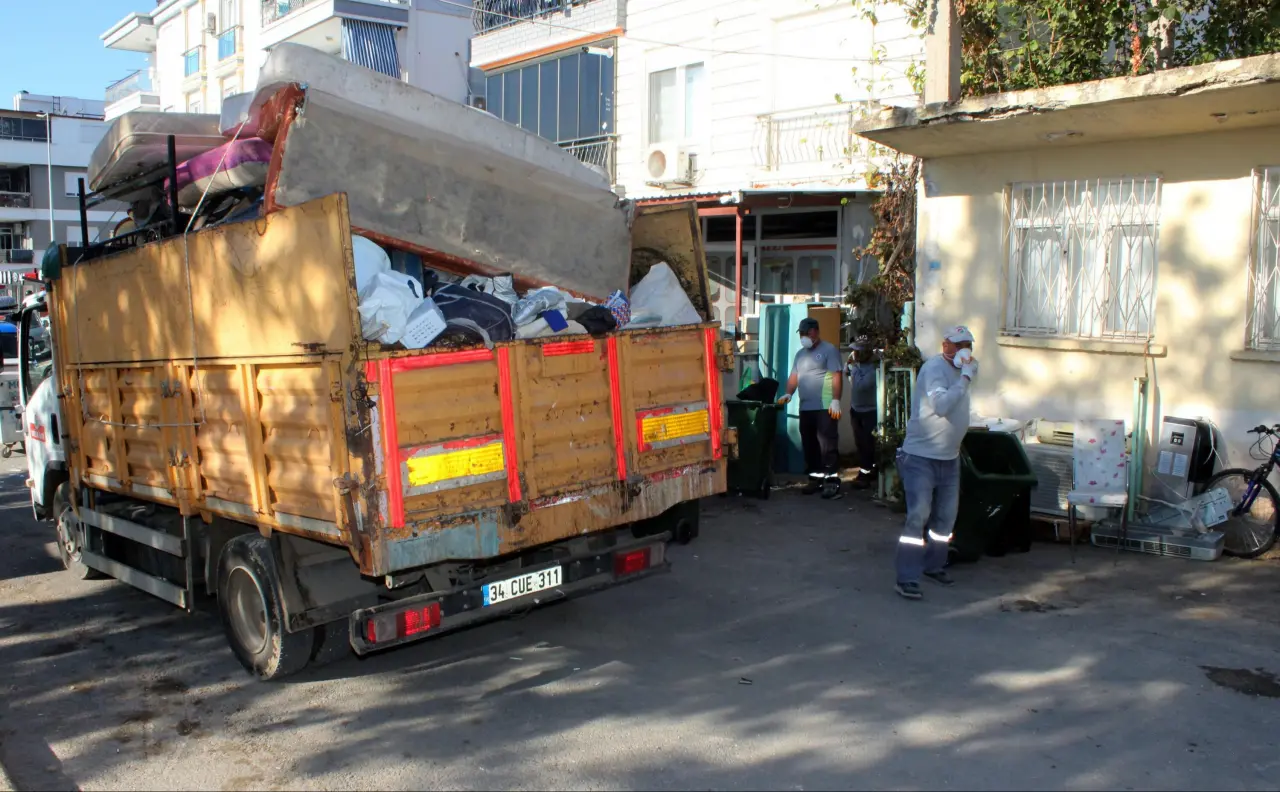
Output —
<point x="464" y="229"/>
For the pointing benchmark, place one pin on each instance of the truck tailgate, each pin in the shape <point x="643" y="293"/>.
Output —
<point x="490" y="452"/>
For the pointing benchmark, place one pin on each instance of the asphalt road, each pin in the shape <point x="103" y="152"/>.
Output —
<point x="775" y="656"/>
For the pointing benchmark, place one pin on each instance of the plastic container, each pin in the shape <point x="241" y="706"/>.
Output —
<point x="995" y="497"/>
<point x="757" y="424"/>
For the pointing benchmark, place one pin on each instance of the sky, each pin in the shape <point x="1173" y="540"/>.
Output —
<point x="53" y="47"/>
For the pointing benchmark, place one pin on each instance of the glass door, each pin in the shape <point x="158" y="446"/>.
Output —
<point x="722" y="279"/>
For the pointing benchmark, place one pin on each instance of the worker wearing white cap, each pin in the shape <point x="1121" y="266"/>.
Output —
<point x="929" y="461"/>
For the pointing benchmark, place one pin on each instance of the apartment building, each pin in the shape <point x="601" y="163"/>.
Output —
<point x="202" y="51"/>
<point x="745" y="106"/>
<point x="45" y="145"/>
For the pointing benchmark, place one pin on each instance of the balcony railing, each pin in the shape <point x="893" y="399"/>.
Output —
<point x="15" y="200"/>
<point x="273" y="10"/>
<point x="600" y="152"/>
<point x="822" y="135"/>
<point x="17" y="256"/>
<point x="136" y="83"/>
<point x="492" y="15"/>
<point x="191" y="61"/>
<point x="228" y="43"/>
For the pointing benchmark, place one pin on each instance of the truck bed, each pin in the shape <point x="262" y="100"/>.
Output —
<point x="223" y="374"/>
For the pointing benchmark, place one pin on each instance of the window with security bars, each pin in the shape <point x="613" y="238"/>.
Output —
<point x="1083" y="258"/>
<point x="1264" y="275"/>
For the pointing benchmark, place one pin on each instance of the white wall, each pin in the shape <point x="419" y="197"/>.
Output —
<point x="171" y="42"/>
<point x="743" y="87"/>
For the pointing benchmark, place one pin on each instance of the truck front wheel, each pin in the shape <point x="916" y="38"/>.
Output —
<point x="252" y="610"/>
<point x="69" y="534"/>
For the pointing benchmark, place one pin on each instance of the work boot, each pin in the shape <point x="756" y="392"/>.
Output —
<point x="811" y="488"/>
<point x="910" y="591"/>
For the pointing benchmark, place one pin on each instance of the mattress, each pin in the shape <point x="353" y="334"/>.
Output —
<point x="446" y="177"/>
<point x="137" y="142"/>
<point x="235" y="164"/>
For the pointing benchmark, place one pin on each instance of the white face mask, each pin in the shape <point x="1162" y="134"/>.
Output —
<point x="962" y="356"/>
<point x="806" y="342"/>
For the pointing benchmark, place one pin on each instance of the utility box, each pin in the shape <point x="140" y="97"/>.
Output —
<point x="1184" y="456"/>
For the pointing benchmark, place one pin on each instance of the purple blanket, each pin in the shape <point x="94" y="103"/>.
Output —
<point x="245" y="165"/>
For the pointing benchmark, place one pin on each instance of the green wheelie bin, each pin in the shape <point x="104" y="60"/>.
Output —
<point x="995" y="497"/>
<point x="757" y="424"/>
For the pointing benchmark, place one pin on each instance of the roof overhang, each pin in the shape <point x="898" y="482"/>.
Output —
<point x="136" y="33"/>
<point x="1236" y="94"/>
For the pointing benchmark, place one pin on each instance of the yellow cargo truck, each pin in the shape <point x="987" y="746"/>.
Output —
<point x="226" y="430"/>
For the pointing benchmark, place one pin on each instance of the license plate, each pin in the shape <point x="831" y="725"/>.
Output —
<point x="521" y="585"/>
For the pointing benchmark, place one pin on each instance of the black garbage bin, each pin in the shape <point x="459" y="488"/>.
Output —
<point x="757" y="424"/>
<point x="995" y="497"/>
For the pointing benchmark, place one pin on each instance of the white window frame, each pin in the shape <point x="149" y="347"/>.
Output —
<point x="656" y="65"/>
<point x="1087" y="223"/>
<point x="1264" y="262"/>
<point x="70" y="183"/>
<point x="195" y="104"/>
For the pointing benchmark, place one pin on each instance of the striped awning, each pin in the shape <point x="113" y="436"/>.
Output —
<point x="371" y="45"/>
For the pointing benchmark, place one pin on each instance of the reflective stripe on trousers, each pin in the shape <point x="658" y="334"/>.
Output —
<point x="932" y="488"/>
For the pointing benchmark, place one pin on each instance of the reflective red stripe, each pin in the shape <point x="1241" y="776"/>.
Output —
<point x="568" y="348"/>
<point x="615" y="404"/>
<point x="391" y="441"/>
<point x="714" y="406"/>
<point x="508" y="424"/>
<point x="440" y="359"/>
<point x="470" y="442"/>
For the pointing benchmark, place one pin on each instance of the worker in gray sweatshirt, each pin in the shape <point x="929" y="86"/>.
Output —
<point x="929" y="461"/>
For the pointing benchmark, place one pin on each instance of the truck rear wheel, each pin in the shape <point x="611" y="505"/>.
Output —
<point x="252" y="610"/>
<point x="69" y="535"/>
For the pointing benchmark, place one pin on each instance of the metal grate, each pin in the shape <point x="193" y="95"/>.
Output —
<point x="1083" y="258"/>
<point x="824" y="135"/>
<point x="600" y="152"/>
<point x="1264" y="274"/>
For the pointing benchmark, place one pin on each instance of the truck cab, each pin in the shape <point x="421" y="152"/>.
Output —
<point x="46" y="455"/>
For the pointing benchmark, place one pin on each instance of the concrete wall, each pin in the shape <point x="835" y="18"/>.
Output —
<point x="1202" y="284"/>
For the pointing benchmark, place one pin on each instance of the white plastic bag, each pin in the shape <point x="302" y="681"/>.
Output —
<point x="658" y="300"/>
<point x="500" y="286"/>
<point x="370" y="259"/>
<point x="386" y="303"/>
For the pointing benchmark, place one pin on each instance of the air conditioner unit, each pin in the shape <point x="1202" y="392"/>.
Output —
<point x="1059" y="433"/>
<point x="211" y="22"/>
<point x="1052" y="465"/>
<point x="671" y="164"/>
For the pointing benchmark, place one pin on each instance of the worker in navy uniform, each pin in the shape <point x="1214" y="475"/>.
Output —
<point x="816" y="374"/>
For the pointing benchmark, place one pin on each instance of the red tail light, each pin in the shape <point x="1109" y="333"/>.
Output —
<point x="402" y="624"/>
<point x="632" y="562"/>
<point x="413" y="622"/>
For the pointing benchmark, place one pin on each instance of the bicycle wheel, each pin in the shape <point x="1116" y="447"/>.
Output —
<point x="1252" y="533"/>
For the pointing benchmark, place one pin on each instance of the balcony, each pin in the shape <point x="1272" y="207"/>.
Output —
<point x="318" y="23"/>
<point x="15" y="200"/>
<point x="134" y="33"/>
<point x="504" y="29"/>
<point x="18" y="255"/>
<point x="191" y="60"/>
<point x="815" y="144"/>
<point x="135" y="92"/>
<point x="600" y="152"/>
<point x="490" y="15"/>
<point x="228" y="43"/>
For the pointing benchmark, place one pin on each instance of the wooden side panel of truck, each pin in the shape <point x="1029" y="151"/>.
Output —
<point x="224" y="374"/>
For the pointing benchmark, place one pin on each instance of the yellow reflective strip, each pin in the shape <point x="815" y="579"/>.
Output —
<point x="659" y="428"/>
<point x="463" y="463"/>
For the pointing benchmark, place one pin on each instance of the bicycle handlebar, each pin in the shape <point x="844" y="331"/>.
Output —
<point x="1262" y="429"/>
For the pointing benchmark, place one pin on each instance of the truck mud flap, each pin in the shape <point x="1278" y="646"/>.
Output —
<point x="414" y="618"/>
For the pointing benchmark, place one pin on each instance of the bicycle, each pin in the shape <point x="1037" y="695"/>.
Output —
<point x="1252" y="523"/>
